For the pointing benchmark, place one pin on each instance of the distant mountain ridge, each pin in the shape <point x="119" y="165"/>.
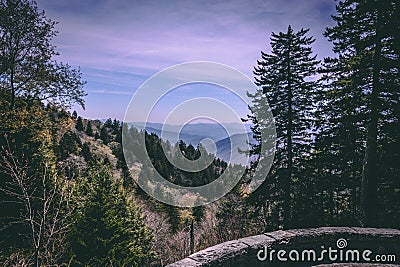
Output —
<point x="224" y="148"/>
<point x="195" y="133"/>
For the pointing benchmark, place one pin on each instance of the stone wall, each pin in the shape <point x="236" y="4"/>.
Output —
<point x="243" y="252"/>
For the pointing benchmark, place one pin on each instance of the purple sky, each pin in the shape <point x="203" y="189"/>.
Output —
<point x="120" y="44"/>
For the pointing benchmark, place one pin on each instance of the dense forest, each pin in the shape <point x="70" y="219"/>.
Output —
<point x="69" y="198"/>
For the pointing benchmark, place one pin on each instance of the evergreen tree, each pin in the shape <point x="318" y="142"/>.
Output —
<point x="116" y="126"/>
<point x="104" y="135"/>
<point x="109" y="229"/>
<point x="108" y="123"/>
<point x="365" y="38"/>
<point x="74" y="115"/>
<point x="285" y="77"/>
<point x="198" y="213"/>
<point x="67" y="145"/>
<point x="338" y="146"/>
<point x="79" y="124"/>
<point x="89" y="129"/>
<point x="86" y="154"/>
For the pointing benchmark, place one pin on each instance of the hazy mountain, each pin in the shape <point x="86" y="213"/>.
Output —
<point x="171" y="136"/>
<point x="224" y="148"/>
<point x="206" y="130"/>
<point x="194" y="133"/>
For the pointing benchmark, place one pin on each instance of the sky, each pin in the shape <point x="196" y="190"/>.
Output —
<point x="119" y="44"/>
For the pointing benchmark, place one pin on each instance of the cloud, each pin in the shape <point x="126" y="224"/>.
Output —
<point x="132" y="40"/>
<point x="152" y="35"/>
<point x="109" y="92"/>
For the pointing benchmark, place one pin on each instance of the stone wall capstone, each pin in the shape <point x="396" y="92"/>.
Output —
<point x="243" y="252"/>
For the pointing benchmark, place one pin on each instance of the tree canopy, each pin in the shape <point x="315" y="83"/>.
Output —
<point x="27" y="58"/>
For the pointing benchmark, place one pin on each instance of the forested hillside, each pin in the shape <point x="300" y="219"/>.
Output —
<point x="68" y="197"/>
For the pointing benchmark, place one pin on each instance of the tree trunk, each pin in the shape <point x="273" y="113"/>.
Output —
<point x="191" y="237"/>
<point x="369" y="181"/>
<point x="12" y="101"/>
<point x="287" y="189"/>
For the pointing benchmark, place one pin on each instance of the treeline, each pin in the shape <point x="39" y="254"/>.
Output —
<point x="156" y="151"/>
<point x="337" y="124"/>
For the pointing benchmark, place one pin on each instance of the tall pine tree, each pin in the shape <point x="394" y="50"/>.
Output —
<point x="286" y="80"/>
<point x="89" y="129"/>
<point x="79" y="124"/>
<point x="365" y="38"/>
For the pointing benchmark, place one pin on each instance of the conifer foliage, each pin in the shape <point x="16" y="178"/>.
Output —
<point x="338" y="138"/>
<point x="109" y="230"/>
<point x="285" y="80"/>
<point x="366" y="40"/>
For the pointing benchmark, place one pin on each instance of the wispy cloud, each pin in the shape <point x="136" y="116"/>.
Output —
<point x="119" y="44"/>
<point x="109" y="92"/>
<point x="151" y="35"/>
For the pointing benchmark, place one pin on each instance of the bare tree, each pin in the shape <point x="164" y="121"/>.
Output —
<point x="47" y="209"/>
